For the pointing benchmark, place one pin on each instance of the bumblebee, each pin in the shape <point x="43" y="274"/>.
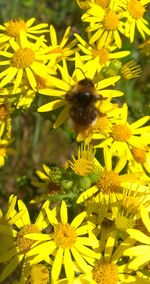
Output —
<point x="82" y="99"/>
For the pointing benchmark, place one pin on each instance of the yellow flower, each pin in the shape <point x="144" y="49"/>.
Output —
<point x="25" y="62"/>
<point x="109" y="268"/>
<point x="11" y="29"/>
<point x="140" y="252"/>
<point x="110" y="184"/>
<point x="20" y="247"/>
<point x="103" y="54"/>
<point x="84" y="164"/>
<point x="134" y="14"/>
<point x="106" y="22"/>
<point x="124" y="136"/>
<point x="63" y="50"/>
<point x="69" y="244"/>
<point x="67" y="84"/>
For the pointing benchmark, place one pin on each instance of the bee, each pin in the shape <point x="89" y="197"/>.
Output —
<point x="82" y="99"/>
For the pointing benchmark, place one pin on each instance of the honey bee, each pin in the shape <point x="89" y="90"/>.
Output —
<point x="82" y="99"/>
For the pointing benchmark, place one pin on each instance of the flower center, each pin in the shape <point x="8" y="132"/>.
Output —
<point x="15" y="26"/>
<point x="109" y="182"/>
<point x="105" y="273"/>
<point x="103" y="55"/>
<point x="82" y="167"/>
<point x="39" y="274"/>
<point x="111" y="21"/>
<point x="64" y="236"/>
<point x="23" y="243"/>
<point x="23" y="58"/>
<point x="136" y="9"/>
<point x="103" y="3"/>
<point x="120" y="132"/>
<point x="101" y="124"/>
<point x="138" y="155"/>
<point x="3" y="112"/>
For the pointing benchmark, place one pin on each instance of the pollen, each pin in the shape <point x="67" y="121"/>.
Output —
<point x="130" y="70"/>
<point x="103" y="3"/>
<point x="65" y="236"/>
<point x="120" y="133"/>
<point x="3" y="112"/>
<point x="111" y="21"/>
<point x="138" y="155"/>
<point x="109" y="182"/>
<point x="23" y="243"/>
<point x="105" y="273"/>
<point x="23" y="58"/>
<point x="101" y="124"/>
<point x="102" y="53"/>
<point x="82" y="167"/>
<point x="136" y="9"/>
<point x="15" y="26"/>
<point x="39" y="274"/>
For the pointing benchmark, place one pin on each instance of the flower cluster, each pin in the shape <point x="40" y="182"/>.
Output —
<point x="94" y="223"/>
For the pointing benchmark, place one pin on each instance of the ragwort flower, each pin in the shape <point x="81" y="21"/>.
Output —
<point x="134" y="14"/>
<point x="69" y="243"/>
<point x="20" y="246"/>
<point x="11" y="29"/>
<point x="107" y="24"/>
<point x="25" y="62"/>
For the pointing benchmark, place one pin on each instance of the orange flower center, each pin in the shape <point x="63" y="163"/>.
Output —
<point x="101" y="124"/>
<point x="23" y="58"/>
<point x="109" y="182"/>
<point x="139" y="155"/>
<point x="15" y="26"/>
<point x="23" y="243"/>
<point x="64" y="236"/>
<point x="136" y="9"/>
<point x="111" y="21"/>
<point x="120" y="132"/>
<point x="105" y="273"/>
<point x="3" y="112"/>
<point x="102" y="53"/>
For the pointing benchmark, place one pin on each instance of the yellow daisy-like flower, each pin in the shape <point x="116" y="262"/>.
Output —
<point x="84" y="4"/>
<point x="106" y="22"/>
<point x="108" y="269"/>
<point x="134" y="14"/>
<point x="25" y="62"/>
<point x="124" y="136"/>
<point x="60" y="50"/>
<point x="69" y="243"/>
<point x="11" y="29"/>
<point x="110" y="184"/>
<point x="140" y="252"/>
<point x="84" y="164"/>
<point x="21" y="246"/>
<point x="69" y="85"/>
<point x="103" y="54"/>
